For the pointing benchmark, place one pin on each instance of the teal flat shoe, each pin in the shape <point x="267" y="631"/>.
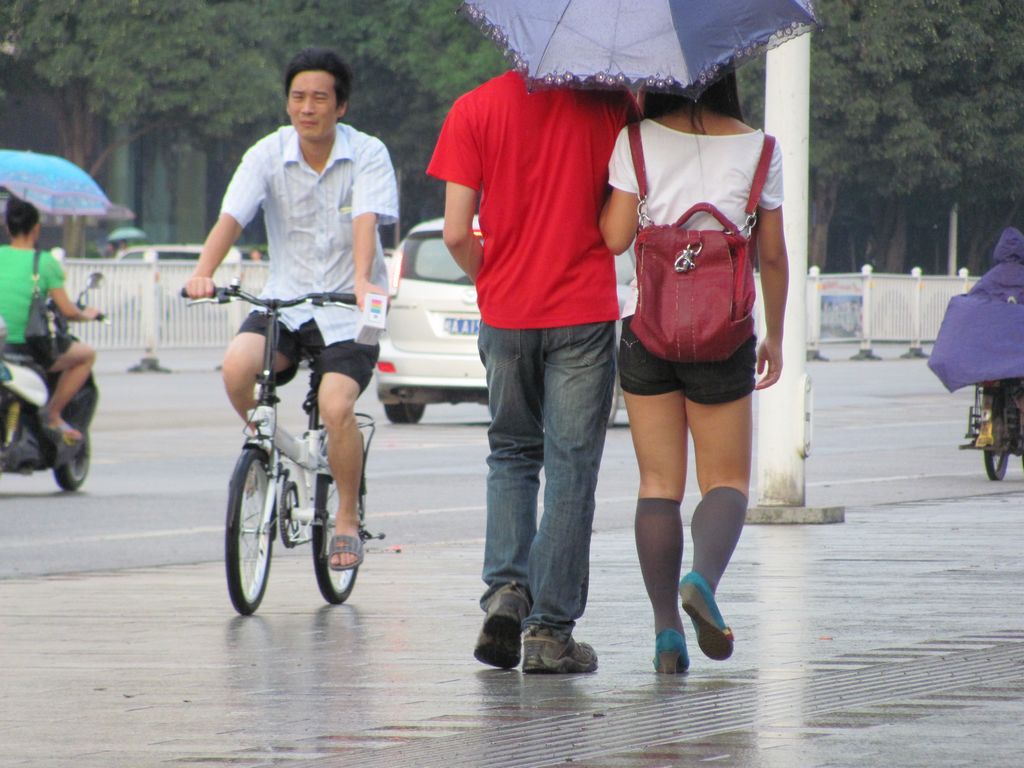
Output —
<point x="713" y="636"/>
<point x="670" y="655"/>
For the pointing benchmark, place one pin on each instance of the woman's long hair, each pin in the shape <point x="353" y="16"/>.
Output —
<point x="722" y="96"/>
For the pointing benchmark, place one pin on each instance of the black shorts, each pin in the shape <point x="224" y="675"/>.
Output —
<point x="64" y="342"/>
<point x="641" y="373"/>
<point x="354" y="360"/>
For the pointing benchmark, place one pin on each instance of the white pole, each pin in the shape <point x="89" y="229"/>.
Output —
<point x="951" y="247"/>
<point x="151" y="319"/>
<point x="783" y="410"/>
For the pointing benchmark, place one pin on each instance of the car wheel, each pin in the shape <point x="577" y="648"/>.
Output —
<point x="404" y="413"/>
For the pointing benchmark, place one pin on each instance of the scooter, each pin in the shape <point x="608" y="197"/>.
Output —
<point x="26" y="445"/>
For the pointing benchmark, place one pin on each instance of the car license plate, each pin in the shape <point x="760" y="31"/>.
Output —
<point x="462" y="326"/>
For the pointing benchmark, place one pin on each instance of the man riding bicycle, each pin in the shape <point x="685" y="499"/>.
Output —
<point x="324" y="188"/>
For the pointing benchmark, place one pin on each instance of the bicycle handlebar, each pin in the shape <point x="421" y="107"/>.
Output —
<point x="224" y="295"/>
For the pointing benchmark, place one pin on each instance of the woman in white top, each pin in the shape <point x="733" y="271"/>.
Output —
<point x="695" y="151"/>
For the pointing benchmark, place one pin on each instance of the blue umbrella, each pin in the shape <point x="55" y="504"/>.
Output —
<point x="52" y="184"/>
<point x="677" y="45"/>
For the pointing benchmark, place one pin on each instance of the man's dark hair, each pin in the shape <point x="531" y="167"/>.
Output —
<point x="321" y="60"/>
<point x="21" y="216"/>
<point x="722" y="96"/>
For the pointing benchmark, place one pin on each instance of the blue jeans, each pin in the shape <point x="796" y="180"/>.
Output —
<point x="550" y="393"/>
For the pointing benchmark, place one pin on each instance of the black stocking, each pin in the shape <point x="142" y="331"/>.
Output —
<point x="715" y="528"/>
<point x="659" y="544"/>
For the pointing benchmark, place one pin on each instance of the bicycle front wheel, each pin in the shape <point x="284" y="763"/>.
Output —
<point x="249" y="533"/>
<point x="335" y="586"/>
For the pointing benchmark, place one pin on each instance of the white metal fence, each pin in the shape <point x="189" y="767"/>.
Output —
<point x="143" y="303"/>
<point x="146" y="311"/>
<point x="866" y="307"/>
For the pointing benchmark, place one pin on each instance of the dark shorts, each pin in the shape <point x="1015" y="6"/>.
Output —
<point x="64" y="342"/>
<point x="641" y="373"/>
<point x="356" y="361"/>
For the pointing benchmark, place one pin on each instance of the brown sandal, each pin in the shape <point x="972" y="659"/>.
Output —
<point x="345" y="545"/>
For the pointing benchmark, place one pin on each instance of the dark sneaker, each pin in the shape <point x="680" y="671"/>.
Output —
<point x="499" y="640"/>
<point x="544" y="652"/>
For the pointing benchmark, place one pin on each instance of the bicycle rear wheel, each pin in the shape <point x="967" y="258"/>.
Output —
<point x="248" y="540"/>
<point x="996" y="463"/>
<point x="335" y="586"/>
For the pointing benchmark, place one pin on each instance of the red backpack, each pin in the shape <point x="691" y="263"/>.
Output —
<point x="695" y="286"/>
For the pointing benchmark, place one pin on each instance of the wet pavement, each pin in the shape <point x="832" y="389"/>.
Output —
<point x="895" y="638"/>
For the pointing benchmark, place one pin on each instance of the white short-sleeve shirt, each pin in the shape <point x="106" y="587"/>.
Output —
<point x="309" y="218"/>
<point x="687" y="168"/>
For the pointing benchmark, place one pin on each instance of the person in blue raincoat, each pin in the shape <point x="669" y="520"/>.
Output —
<point x="982" y="333"/>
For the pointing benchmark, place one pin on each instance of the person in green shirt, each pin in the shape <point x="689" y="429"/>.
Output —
<point x="75" y="364"/>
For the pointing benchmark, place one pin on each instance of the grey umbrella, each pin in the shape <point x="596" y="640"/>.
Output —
<point x="679" y="45"/>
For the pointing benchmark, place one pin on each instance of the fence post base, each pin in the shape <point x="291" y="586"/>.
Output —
<point x="148" y="364"/>
<point x="865" y="354"/>
<point x="814" y="354"/>
<point x="914" y="352"/>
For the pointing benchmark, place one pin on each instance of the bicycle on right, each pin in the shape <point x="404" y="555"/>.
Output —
<point x="281" y="484"/>
<point x="995" y="425"/>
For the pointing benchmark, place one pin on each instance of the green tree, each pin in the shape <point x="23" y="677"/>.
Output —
<point x="914" y="105"/>
<point x="111" y="72"/>
<point x="208" y="72"/>
<point x="191" y="66"/>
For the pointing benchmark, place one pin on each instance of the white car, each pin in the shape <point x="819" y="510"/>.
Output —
<point x="429" y="353"/>
<point x="172" y="253"/>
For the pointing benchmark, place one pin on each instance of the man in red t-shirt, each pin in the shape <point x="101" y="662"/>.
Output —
<point x="536" y="162"/>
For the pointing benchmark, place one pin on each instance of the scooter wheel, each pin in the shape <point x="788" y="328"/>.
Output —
<point x="71" y="475"/>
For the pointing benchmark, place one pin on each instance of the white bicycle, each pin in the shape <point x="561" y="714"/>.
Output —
<point x="281" y="483"/>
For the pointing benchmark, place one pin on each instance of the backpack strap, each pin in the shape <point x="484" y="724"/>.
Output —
<point x="636" y="149"/>
<point x="756" y="187"/>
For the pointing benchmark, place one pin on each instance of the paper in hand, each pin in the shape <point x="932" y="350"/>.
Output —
<point x="372" y="321"/>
